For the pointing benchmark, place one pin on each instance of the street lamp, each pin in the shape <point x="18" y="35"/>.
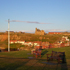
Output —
<point x="8" y="36"/>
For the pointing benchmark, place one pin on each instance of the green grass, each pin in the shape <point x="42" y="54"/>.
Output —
<point x="15" y="54"/>
<point x="18" y="60"/>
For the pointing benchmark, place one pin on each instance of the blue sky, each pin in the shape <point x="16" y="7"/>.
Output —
<point x="48" y="15"/>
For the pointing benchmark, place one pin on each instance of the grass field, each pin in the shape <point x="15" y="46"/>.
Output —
<point x="19" y="60"/>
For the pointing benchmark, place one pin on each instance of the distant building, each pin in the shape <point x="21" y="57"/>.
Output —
<point x="39" y="32"/>
<point x="21" y="32"/>
<point x="15" y="41"/>
<point x="55" y="33"/>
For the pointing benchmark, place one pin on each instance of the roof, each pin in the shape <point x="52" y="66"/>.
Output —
<point x="55" y="32"/>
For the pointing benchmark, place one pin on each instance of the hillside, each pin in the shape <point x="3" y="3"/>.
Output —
<point x="30" y="37"/>
<point x="51" y="38"/>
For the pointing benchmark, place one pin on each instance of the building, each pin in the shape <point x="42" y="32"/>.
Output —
<point x="55" y="33"/>
<point x="15" y="41"/>
<point x="39" y="32"/>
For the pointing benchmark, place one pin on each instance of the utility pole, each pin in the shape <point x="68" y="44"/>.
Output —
<point x="8" y="36"/>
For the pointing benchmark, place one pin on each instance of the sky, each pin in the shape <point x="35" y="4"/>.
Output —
<point x="26" y="15"/>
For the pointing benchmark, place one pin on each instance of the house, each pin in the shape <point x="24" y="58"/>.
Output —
<point x="25" y="43"/>
<point x="55" y="33"/>
<point x="28" y="43"/>
<point x="45" y="47"/>
<point x="22" y="42"/>
<point x="67" y="44"/>
<point x="37" y="43"/>
<point x="56" y="45"/>
<point x="65" y="38"/>
<point x="13" y="41"/>
<point x="38" y="47"/>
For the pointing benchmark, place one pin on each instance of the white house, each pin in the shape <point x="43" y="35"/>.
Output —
<point x="36" y="43"/>
<point x="22" y="42"/>
<point x="30" y="43"/>
<point x="66" y="38"/>
<point x="14" y="41"/>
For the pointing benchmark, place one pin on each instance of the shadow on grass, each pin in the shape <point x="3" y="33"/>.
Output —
<point x="12" y="63"/>
<point x="64" y="64"/>
<point x="43" y="53"/>
<point x="54" y="65"/>
<point x="30" y="64"/>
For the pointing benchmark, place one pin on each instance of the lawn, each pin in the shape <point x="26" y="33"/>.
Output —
<point x="19" y="60"/>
